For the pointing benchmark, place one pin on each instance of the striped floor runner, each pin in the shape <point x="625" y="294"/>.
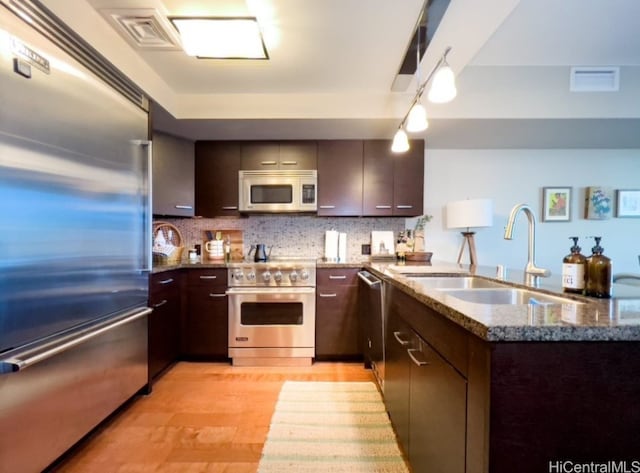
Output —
<point x="330" y="427"/>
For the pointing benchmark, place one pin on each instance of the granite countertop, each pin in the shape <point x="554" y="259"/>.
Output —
<point x="187" y="264"/>
<point x="615" y="319"/>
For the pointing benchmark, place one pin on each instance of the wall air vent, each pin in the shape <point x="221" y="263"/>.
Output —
<point x="594" y="79"/>
<point x="143" y="28"/>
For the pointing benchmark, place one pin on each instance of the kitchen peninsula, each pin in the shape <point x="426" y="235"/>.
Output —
<point x="509" y="387"/>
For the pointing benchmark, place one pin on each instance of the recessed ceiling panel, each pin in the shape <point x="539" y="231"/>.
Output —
<point x="143" y="28"/>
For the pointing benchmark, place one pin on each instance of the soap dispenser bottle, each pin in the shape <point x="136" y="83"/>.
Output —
<point x="598" y="273"/>
<point x="574" y="269"/>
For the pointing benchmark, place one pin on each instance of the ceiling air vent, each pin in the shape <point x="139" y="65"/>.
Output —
<point x="595" y="79"/>
<point x="143" y="28"/>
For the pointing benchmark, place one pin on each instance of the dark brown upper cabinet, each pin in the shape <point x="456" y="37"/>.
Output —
<point x="265" y="155"/>
<point x="172" y="176"/>
<point x="216" y="178"/>
<point x="340" y="178"/>
<point x="393" y="183"/>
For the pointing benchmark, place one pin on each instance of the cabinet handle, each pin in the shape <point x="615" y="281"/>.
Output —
<point x="328" y="295"/>
<point x="400" y="340"/>
<point x="268" y="163"/>
<point x="166" y="281"/>
<point x="184" y="207"/>
<point x="338" y="276"/>
<point x="404" y="206"/>
<point x="160" y="304"/>
<point x="230" y="207"/>
<point x="211" y="294"/>
<point x="383" y="206"/>
<point x="327" y="206"/>
<point x="288" y="163"/>
<point x="208" y="277"/>
<point x="411" y="352"/>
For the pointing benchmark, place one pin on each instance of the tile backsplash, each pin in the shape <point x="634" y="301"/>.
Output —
<point x="297" y="235"/>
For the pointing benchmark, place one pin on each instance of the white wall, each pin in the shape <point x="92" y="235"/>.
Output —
<point x="510" y="177"/>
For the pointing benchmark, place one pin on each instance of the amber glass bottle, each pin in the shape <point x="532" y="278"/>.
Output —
<point x="574" y="271"/>
<point x="598" y="273"/>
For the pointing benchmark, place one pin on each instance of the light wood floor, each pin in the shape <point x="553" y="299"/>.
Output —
<point x="200" y="418"/>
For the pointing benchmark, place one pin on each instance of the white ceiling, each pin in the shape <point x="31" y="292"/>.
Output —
<point x="332" y="64"/>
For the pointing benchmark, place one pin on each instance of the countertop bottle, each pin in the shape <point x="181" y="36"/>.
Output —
<point x="598" y="273"/>
<point x="574" y="269"/>
<point x="401" y="247"/>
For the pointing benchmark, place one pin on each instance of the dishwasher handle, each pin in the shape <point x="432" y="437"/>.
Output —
<point x="369" y="278"/>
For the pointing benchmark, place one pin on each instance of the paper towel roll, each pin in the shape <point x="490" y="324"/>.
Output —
<point x="342" y="247"/>
<point x="331" y="245"/>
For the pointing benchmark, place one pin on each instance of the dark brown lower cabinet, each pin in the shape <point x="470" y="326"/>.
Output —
<point x="437" y="412"/>
<point x="462" y="404"/>
<point x="426" y="400"/>
<point x="337" y="324"/>
<point x="205" y="324"/>
<point x="164" y="321"/>
<point x="397" y="379"/>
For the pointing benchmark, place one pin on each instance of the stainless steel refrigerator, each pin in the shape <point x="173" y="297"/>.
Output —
<point x="75" y="237"/>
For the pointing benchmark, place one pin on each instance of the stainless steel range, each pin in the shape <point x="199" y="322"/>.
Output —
<point x="272" y="313"/>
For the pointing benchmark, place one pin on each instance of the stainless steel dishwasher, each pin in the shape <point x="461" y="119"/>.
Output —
<point x="372" y="317"/>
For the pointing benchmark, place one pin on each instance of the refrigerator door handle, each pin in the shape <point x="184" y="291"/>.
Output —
<point x="32" y="357"/>
<point x="147" y="234"/>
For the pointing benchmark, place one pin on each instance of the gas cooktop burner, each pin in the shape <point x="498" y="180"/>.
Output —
<point x="274" y="273"/>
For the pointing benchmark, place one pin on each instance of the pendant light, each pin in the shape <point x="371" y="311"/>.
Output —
<point x="417" y="119"/>
<point x="443" y="88"/>
<point x="400" y="141"/>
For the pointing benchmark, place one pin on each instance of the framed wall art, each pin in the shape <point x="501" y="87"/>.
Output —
<point x="598" y="203"/>
<point x="556" y="204"/>
<point x="628" y="203"/>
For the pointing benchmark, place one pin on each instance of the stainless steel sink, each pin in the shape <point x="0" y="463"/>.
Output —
<point x="507" y="296"/>
<point x="454" y="282"/>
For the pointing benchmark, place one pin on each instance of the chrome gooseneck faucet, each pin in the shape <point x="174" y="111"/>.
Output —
<point x="532" y="272"/>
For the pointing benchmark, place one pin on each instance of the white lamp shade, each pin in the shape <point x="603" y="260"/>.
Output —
<point x="400" y="142"/>
<point x="470" y="213"/>
<point x="443" y="87"/>
<point x="417" y="119"/>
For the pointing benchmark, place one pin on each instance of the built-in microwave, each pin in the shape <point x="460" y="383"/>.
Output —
<point x="278" y="191"/>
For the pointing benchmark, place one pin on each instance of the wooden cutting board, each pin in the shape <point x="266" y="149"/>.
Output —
<point x="237" y="242"/>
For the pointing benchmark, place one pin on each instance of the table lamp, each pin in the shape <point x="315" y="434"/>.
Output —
<point x="470" y="213"/>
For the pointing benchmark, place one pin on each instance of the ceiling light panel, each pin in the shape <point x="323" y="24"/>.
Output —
<point x="221" y="38"/>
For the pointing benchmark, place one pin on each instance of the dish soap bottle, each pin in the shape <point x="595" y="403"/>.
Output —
<point x="574" y="269"/>
<point x="598" y="273"/>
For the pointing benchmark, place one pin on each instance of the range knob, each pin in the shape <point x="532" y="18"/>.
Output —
<point x="293" y="276"/>
<point x="266" y="276"/>
<point x="251" y="276"/>
<point x="304" y="274"/>
<point x="238" y="275"/>
<point x="277" y="276"/>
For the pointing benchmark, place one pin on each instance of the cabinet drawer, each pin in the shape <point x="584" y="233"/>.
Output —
<point x="164" y="285"/>
<point x="337" y="276"/>
<point x="207" y="277"/>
